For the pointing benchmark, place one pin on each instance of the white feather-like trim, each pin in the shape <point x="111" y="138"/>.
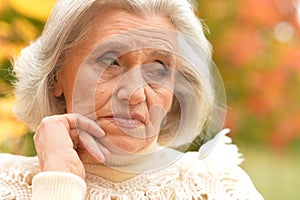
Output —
<point x="220" y="152"/>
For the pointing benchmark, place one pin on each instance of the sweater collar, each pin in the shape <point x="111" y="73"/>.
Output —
<point x="120" y="167"/>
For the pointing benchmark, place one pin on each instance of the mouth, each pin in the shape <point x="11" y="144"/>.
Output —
<point x="133" y="120"/>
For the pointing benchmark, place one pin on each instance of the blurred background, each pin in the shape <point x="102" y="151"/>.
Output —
<point x="257" y="49"/>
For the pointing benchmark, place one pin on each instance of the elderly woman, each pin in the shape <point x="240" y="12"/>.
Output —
<point x="116" y="90"/>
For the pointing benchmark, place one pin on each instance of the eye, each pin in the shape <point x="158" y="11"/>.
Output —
<point x="156" y="73"/>
<point x="107" y="59"/>
<point x="161" y="69"/>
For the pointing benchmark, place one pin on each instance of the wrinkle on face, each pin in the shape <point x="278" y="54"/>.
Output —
<point x="101" y="92"/>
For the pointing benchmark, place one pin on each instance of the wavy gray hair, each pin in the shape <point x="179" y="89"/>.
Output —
<point x="66" y="27"/>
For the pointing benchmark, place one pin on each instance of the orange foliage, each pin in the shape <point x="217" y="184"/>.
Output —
<point x="257" y="49"/>
<point x="16" y="31"/>
<point x="258" y="59"/>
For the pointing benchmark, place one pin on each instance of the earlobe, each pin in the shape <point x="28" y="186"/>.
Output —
<point x="58" y="88"/>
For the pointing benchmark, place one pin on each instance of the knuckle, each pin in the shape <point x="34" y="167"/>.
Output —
<point x="49" y="121"/>
<point x="52" y="119"/>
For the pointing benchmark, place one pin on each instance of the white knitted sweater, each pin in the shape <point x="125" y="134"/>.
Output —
<point x="211" y="173"/>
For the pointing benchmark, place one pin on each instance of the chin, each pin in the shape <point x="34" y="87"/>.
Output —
<point x="128" y="144"/>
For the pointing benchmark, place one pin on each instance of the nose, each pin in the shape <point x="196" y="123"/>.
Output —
<point x="131" y="87"/>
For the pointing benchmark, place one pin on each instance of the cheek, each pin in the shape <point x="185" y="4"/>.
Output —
<point x="68" y="92"/>
<point x="167" y="100"/>
<point x="166" y="93"/>
<point x="81" y="92"/>
<point x="160" y="96"/>
<point x="104" y="92"/>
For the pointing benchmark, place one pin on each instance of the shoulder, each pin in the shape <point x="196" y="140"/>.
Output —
<point x="17" y="163"/>
<point x="215" y="169"/>
<point x="216" y="153"/>
<point x="16" y="173"/>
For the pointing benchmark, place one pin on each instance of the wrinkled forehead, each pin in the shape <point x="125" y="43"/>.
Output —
<point x="138" y="39"/>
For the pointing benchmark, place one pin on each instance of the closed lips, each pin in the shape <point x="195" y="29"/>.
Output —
<point x="132" y="121"/>
<point x="127" y="122"/>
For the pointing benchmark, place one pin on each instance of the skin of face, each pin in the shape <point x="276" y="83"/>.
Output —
<point x="132" y="91"/>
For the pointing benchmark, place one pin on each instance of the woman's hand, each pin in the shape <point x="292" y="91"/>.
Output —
<point x="58" y="137"/>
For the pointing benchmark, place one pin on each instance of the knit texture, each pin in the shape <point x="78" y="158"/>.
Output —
<point x="211" y="173"/>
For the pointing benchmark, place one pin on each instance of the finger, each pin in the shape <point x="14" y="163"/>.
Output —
<point x="85" y="124"/>
<point x="74" y="134"/>
<point x="107" y="143"/>
<point x="91" y="146"/>
<point x="103" y="149"/>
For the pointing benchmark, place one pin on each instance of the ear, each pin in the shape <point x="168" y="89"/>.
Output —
<point x="58" y="87"/>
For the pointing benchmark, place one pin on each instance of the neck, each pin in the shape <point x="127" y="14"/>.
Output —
<point x="107" y="172"/>
<point x="120" y="167"/>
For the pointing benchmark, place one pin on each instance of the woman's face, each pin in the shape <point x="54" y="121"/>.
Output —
<point x="122" y="77"/>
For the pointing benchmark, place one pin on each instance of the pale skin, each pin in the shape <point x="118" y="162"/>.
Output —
<point x="63" y="142"/>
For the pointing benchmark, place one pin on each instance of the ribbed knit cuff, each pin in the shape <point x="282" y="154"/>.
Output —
<point x="58" y="185"/>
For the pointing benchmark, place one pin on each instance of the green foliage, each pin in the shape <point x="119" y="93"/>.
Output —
<point x="6" y="73"/>
<point x="16" y="31"/>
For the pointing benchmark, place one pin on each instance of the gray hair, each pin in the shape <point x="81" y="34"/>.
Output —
<point x="37" y="63"/>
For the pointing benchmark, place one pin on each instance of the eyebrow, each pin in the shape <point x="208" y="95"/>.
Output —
<point x="161" y="53"/>
<point x="112" y="46"/>
<point x="123" y="48"/>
